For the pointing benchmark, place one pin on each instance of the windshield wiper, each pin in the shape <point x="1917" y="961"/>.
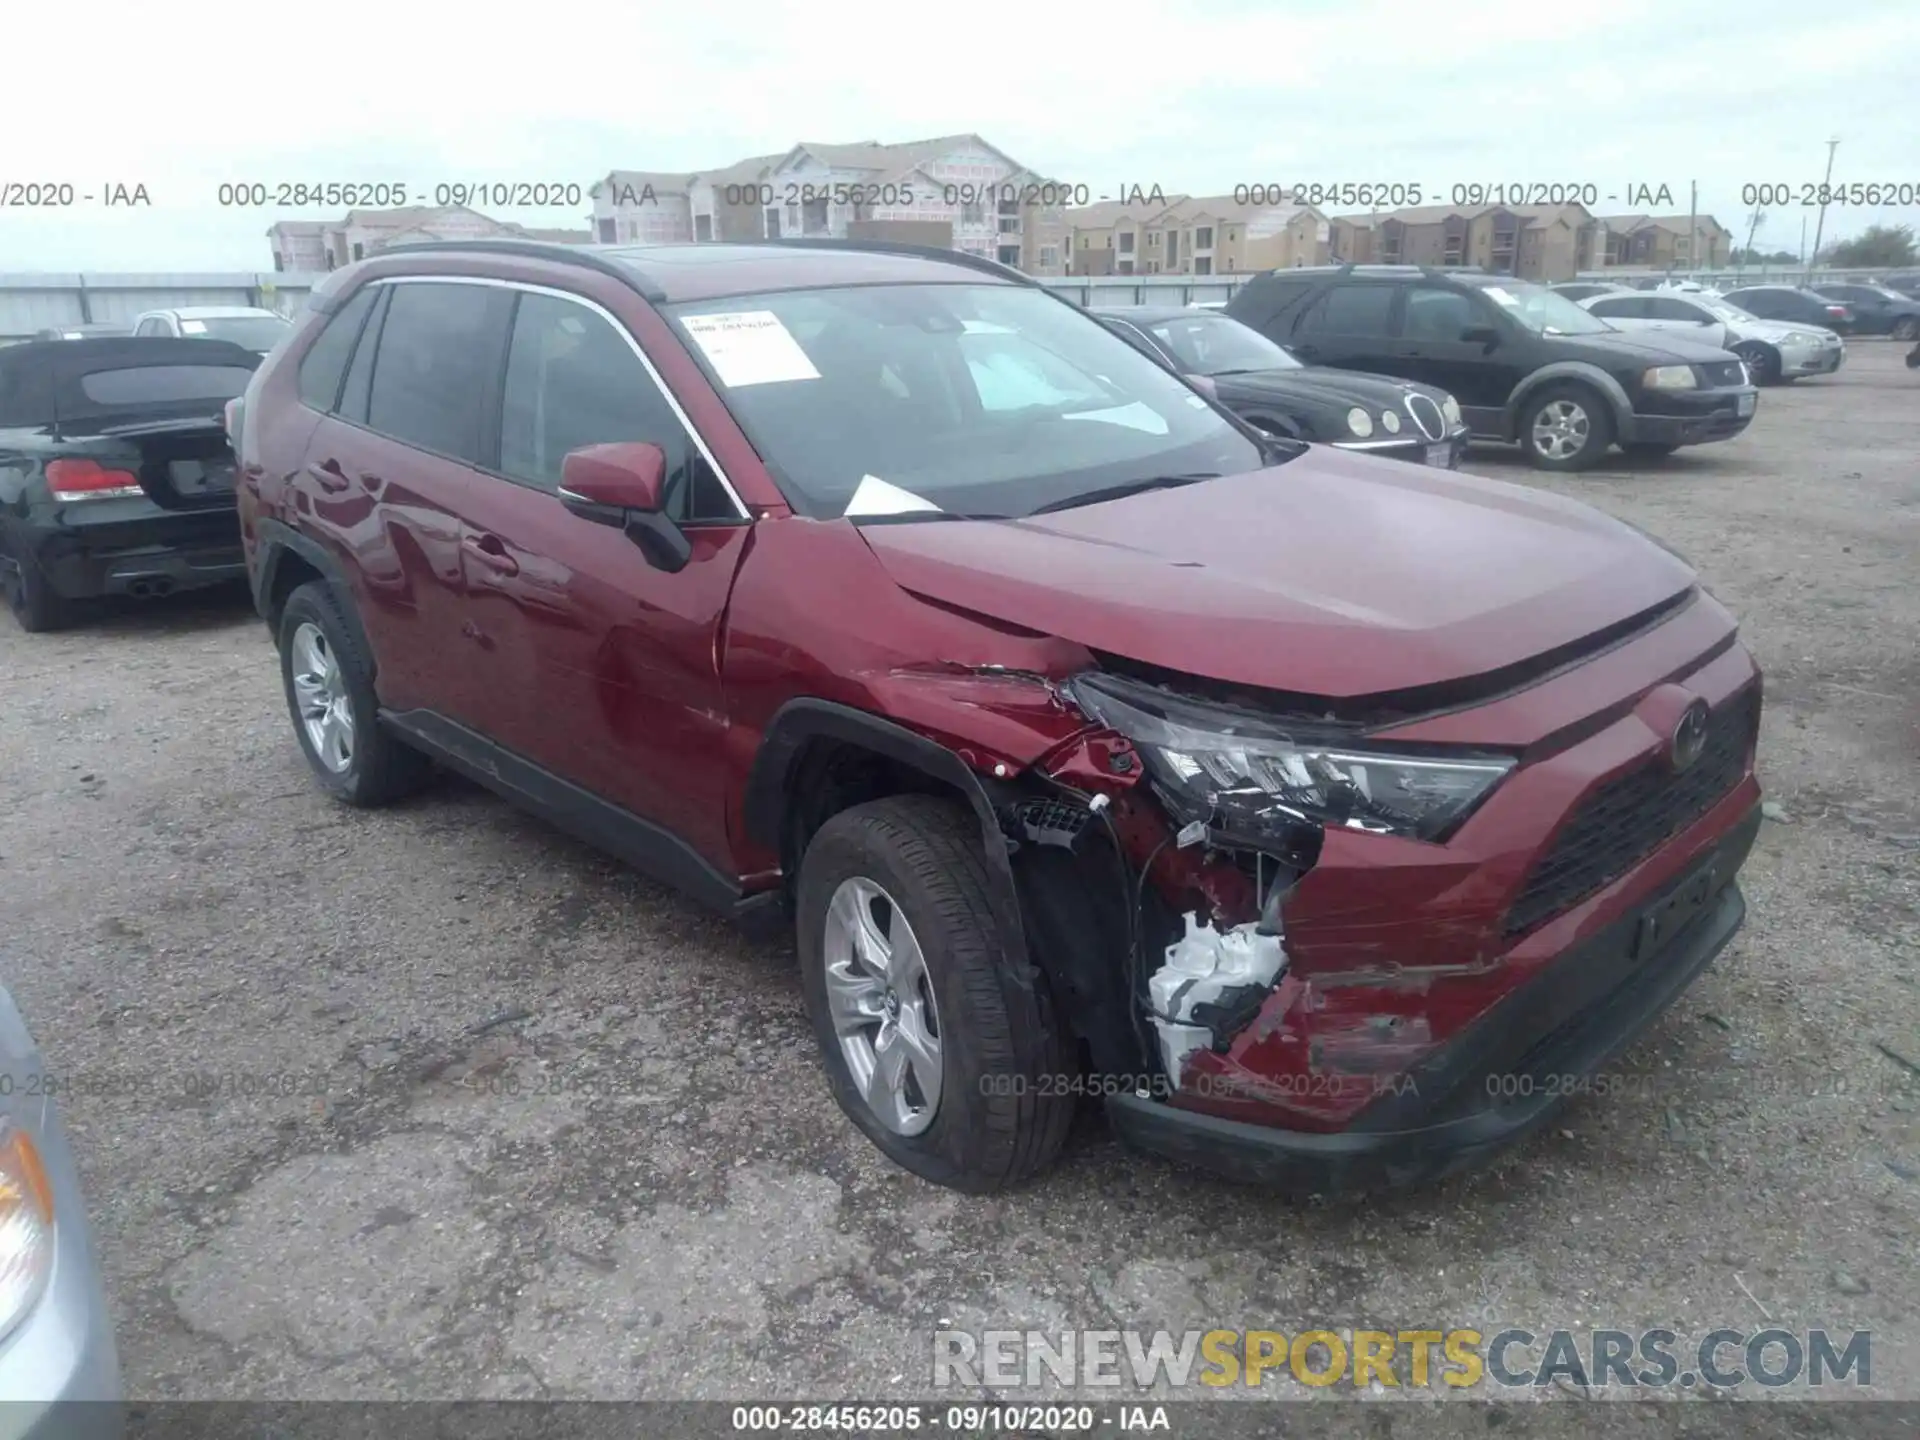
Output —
<point x="1120" y="492"/>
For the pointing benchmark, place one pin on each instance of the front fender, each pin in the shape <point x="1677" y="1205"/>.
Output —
<point x="1586" y="373"/>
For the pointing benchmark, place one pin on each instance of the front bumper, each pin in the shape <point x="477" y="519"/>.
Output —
<point x="1796" y="361"/>
<point x="1417" y="449"/>
<point x="1691" y="417"/>
<point x="1541" y="1042"/>
<point x="129" y="547"/>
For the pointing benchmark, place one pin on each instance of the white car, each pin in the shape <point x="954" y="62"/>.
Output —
<point x="253" y="329"/>
<point x="1773" y="350"/>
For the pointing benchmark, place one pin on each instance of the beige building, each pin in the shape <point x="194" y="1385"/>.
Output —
<point x="1535" y="242"/>
<point x="1194" y="235"/>
<point x="1667" y="242"/>
<point x="956" y="191"/>
<point x="315" y="245"/>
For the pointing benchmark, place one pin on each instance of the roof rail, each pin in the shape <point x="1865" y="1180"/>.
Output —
<point x="584" y="255"/>
<point x="892" y="247"/>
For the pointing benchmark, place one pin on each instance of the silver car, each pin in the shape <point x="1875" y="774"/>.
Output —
<point x="1774" y="350"/>
<point x="59" y="1371"/>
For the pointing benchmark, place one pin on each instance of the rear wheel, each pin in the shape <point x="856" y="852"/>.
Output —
<point x="35" y="604"/>
<point x="941" y="1055"/>
<point x="1762" y="362"/>
<point x="328" y="679"/>
<point x="1566" y="427"/>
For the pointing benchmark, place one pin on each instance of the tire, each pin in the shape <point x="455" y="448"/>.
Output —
<point x="1649" y="450"/>
<point x="986" y="1116"/>
<point x="35" y="604"/>
<point x="1763" y="363"/>
<point x="1905" y="328"/>
<point x="323" y="662"/>
<point x="1579" y="416"/>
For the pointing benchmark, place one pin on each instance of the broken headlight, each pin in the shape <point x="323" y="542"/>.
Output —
<point x="1249" y="776"/>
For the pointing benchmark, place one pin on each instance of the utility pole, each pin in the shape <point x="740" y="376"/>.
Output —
<point x="1821" y="223"/>
<point x="1753" y="228"/>
<point x="1803" y="245"/>
<point x="1693" y="230"/>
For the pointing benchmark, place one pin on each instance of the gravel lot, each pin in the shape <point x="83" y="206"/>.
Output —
<point x="556" y="1133"/>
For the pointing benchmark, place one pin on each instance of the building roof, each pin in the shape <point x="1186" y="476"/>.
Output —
<point x="1675" y="224"/>
<point x="872" y="155"/>
<point x="668" y="182"/>
<point x="1537" y="217"/>
<point x="741" y="171"/>
<point x="410" y="217"/>
<point x="1107" y="213"/>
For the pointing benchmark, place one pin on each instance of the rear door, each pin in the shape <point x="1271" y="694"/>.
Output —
<point x="1348" y="325"/>
<point x="1674" y="315"/>
<point x="386" y="478"/>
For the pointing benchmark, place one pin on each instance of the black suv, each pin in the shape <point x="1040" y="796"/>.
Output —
<point x="1526" y="365"/>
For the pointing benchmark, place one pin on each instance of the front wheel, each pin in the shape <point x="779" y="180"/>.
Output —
<point x="1762" y="362"/>
<point x="1566" y="427"/>
<point x="944" y="1057"/>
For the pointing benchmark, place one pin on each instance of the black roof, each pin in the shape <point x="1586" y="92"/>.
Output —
<point x="40" y="380"/>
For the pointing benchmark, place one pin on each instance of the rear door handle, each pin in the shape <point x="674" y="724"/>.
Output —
<point x="491" y="552"/>
<point x="330" y="476"/>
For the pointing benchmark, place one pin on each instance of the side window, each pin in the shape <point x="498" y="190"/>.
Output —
<point x="1350" y="310"/>
<point x="359" y="384"/>
<point x="1268" y="304"/>
<point x="573" y="380"/>
<point x="1667" y="308"/>
<point x="432" y="369"/>
<point x="1434" y="313"/>
<point x="1620" y="307"/>
<point x="149" y="327"/>
<point x="325" y="363"/>
<point x="1134" y="338"/>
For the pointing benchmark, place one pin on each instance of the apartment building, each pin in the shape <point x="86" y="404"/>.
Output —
<point x="1194" y="235"/>
<point x="1667" y="242"/>
<point x="956" y="191"/>
<point x="1535" y="242"/>
<point x="316" y="245"/>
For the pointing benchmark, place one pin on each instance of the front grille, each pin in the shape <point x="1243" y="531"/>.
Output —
<point x="1724" y="372"/>
<point x="1428" y="416"/>
<point x="1630" y="817"/>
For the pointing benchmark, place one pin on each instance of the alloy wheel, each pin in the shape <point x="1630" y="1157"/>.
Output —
<point x="881" y="1000"/>
<point x="320" y="691"/>
<point x="1561" y="429"/>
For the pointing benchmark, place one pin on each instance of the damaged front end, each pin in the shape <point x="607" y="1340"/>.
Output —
<point x="1217" y="813"/>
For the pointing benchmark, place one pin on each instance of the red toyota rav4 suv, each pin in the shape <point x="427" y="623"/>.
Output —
<point x="1332" y="817"/>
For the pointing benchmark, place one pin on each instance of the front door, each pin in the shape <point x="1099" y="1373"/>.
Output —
<point x="1428" y="346"/>
<point x="612" y="662"/>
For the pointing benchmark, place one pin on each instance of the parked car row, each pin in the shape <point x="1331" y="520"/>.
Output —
<point x="1070" y="716"/>
<point x="1772" y="350"/>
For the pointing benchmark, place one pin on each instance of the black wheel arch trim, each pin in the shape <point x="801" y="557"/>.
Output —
<point x="1586" y="373"/>
<point x="801" y="721"/>
<point x="274" y="538"/>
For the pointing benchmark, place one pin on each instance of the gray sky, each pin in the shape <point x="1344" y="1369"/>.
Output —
<point x="181" y="97"/>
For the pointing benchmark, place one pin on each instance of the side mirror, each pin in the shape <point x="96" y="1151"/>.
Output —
<point x="624" y="485"/>
<point x="1480" y="335"/>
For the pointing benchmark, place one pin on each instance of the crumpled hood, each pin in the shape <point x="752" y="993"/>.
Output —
<point x="1336" y="575"/>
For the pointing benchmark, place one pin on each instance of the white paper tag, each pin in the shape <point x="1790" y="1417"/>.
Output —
<point x="193" y="327"/>
<point x="877" y="497"/>
<point x="750" y="347"/>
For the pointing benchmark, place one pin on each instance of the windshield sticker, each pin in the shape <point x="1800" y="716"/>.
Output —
<point x="750" y="347"/>
<point x="1136" y="416"/>
<point x="876" y="497"/>
<point x="193" y="327"/>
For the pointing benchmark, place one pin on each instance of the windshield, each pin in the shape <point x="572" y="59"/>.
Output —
<point x="1542" y="311"/>
<point x="1214" y="345"/>
<point x="255" y="332"/>
<point x="974" y="400"/>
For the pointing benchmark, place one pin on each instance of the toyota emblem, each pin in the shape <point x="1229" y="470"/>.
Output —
<point x="1689" y="736"/>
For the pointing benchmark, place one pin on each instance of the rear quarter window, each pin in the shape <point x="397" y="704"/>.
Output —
<point x="164" y="384"/>
<point x="325" y="363"/>
<point x="1268" y="305"/>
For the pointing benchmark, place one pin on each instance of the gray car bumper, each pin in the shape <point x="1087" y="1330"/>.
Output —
<point x="59" y="1370"/>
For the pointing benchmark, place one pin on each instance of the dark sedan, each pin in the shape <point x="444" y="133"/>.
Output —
<point x="115" y="473"/>
<point x="1794" y="304"/>
<point x="1269" y="389"/>
<point x="1877" y="310"/>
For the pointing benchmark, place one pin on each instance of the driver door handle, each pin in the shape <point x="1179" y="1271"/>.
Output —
<point x="330" y="476"/>
<point x="490" y="551"/>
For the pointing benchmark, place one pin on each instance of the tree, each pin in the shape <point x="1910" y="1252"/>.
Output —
<point x="1749" y="256"/>
<point x="1876" y="247"/>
